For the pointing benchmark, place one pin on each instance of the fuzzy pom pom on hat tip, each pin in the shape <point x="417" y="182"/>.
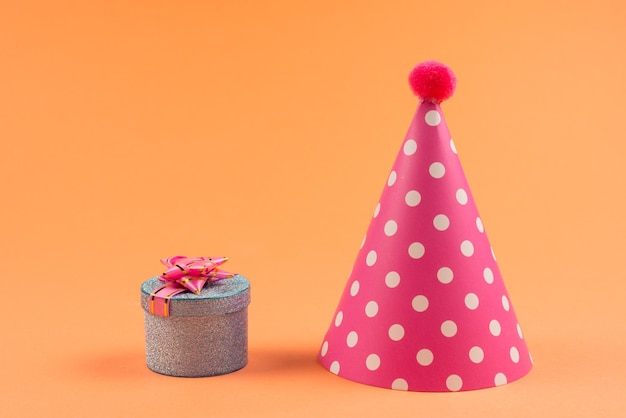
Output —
<point x="425" y="307"/>
<point x="432" y="81"/>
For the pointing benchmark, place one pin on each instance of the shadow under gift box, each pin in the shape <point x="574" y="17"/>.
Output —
<point x="205" y="335"/>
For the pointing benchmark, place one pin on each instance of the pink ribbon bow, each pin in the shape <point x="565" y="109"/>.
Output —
<point x="185" y="274"/>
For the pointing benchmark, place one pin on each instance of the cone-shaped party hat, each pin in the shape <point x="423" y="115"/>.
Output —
<point x="425" y="307"/>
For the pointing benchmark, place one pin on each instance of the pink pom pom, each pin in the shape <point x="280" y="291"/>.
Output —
<point x="432" y="81"/>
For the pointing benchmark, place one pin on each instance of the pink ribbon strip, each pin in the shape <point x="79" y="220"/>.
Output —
<point x="185" y="274"/>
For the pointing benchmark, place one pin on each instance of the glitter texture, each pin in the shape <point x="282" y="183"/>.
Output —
<point x="205" y="334"/>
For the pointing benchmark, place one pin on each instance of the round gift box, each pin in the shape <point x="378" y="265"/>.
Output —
<point x="205" y="335"/>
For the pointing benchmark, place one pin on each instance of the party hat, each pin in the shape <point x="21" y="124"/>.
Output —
<point x="425" y="307"/>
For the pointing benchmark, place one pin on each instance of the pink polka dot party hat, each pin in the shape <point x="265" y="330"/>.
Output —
<point x="425" y="307"/>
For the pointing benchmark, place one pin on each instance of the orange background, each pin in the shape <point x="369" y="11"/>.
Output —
<point x="131" y="131"/>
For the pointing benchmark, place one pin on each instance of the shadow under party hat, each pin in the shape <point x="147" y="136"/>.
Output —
<point x="425" y="307"/>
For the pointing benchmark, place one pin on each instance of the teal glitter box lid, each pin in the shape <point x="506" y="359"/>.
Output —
<point x="205" y="335"/>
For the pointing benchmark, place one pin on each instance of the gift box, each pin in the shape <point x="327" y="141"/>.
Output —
<point x="203" y="332"/>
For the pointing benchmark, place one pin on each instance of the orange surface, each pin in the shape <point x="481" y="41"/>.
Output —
<point x="264" y="131"/>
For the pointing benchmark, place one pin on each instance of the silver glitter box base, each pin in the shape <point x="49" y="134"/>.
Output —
<point x="205" y="334"/>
